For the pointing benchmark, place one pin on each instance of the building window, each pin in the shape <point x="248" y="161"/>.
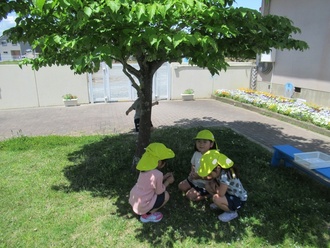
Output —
<point x="297" y="89"/>
<point x="4" y="43"/>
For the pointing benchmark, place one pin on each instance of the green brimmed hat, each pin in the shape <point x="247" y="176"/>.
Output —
<point x="212" y="159"/>
<point x="154" y="152"/>
<point x="205" y="135"/>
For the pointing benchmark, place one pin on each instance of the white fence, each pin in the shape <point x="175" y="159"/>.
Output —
<point x="25" y="88"/>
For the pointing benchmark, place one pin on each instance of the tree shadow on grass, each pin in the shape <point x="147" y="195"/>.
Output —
<point x="263" y="134"/>
<point x="282" y="203"/>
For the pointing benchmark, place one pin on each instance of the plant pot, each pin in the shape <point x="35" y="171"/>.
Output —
<point x="70" y="102"/>
<point x="187" y="97"/>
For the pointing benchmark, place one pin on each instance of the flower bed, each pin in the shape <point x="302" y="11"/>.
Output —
<point x="295" y="108"/>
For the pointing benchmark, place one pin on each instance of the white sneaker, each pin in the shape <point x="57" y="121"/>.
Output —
<point x="155" y="217"/>
<point x="214" y="206"/>
<point x="228" y="216"/>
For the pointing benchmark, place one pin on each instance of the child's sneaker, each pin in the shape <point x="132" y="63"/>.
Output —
<point x="228" y="216"/>
<point x="154" y="217"/>
<point x="214" y="206"/>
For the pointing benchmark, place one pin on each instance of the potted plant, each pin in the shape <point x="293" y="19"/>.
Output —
<point x="188" y="95"/>
<point x="70" y="100"/>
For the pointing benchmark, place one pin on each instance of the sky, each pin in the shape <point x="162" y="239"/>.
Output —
<point x="252" y="4"/>
<point x="7" y="23"/>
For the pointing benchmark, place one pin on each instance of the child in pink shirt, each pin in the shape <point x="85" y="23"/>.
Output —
<point x="149" y="193"/>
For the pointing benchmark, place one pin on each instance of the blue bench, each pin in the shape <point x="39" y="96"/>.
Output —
<point x="286" y="153"/>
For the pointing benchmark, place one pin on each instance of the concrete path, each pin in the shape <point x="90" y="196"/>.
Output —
<point x="107" y="118"/>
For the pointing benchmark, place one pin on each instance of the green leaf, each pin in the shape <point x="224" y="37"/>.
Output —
<point x="88" y="11"/>
<point x="197" y="36"/>
<point x="114" y="5"/>
<point x="151" y="11"/>
<point x="213" y="44"/>
<point x="191" y="39"/>
<point x="140" y="10"/>
<point x="153" y="39"/>
<point x="63" y="3"/>
<point x="177" y="39"/>
<point x="162" y="10"/>
<point x="39" y="4"/>
<point x="190" y="2"/>
<point x="200" y="6"/>
<point x="57" y="39"/>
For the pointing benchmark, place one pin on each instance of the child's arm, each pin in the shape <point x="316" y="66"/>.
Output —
<point x="168" y="179"/>
<point x="194" y="175"/>
<point x="167" y="175"/>
<point x="129" y="110"/>
<point x="192" y="172"/>
<point x="221" y="189"/>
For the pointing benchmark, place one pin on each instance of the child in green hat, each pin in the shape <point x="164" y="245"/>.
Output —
<point x="194" y="186"/>
<point x="226" y="188"/>
<point x="149" y="193"/>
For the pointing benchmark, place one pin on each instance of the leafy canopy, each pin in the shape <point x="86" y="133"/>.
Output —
<point x="82" y="33"/>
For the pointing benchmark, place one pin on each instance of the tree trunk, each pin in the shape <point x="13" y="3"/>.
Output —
<point x="144" y="75"/>
<point x="145" y="119"/>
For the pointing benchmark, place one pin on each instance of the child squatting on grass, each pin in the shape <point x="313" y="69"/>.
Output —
<point x="194" y="185"/>
<point x="225" y="186"/>
<point x="149" y="193"/>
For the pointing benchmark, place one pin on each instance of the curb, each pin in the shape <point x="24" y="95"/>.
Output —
<point x="302" y="124"/>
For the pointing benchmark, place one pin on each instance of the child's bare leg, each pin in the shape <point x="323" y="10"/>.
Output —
<point x="201" y="197"/>
<point x="184" y="186"/>
<point x="221" y="202"/>
<point x="194" y="195"/>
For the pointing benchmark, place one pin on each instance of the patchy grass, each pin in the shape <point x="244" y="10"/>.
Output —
<point x="9" y="62"/>
<point x="73" y="192"/>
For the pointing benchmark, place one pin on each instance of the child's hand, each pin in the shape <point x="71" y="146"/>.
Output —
<point x="216" y="184"/>
<point x="169" y="178"/>
<point x="167" y="175"/>
<point x="191" y="175"/>
<point x="213" y="186"/>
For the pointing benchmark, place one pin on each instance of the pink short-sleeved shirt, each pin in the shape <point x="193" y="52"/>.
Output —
<point x="144" y="193"/>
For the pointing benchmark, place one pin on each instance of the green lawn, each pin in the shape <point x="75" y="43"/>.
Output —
<point x="73" y="192"/>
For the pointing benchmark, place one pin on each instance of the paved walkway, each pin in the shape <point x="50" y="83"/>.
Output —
<point x="109" y="118"/>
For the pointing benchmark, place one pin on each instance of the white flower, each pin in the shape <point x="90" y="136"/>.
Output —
<point x="320" y="116"/>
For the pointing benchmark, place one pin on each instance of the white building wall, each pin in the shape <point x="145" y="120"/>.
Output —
<point x="6" y="49"/>
<point x="185" y="76"/>
<point x="24" y="88"/>
<point x="308" y="70"/>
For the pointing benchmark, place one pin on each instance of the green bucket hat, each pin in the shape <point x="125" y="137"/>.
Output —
<point x="212" y="159"/>
<point x="154" y="152"/>
<point x="205" y="135"/>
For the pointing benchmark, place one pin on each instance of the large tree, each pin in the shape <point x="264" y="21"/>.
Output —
<point x="83" y="33"/>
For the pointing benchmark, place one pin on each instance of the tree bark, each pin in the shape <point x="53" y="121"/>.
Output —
<point x="145" y="76"/>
